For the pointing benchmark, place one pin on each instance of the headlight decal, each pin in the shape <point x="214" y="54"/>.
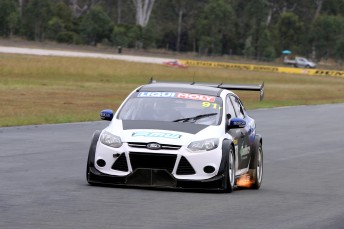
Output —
<point x="110" y="140"/>
<point x="204" y="145"/>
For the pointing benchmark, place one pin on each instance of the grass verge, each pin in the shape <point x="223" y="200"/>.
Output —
<point x="38" y="90"/>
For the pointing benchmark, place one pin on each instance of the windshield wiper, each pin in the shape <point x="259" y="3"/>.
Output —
<point x="194" y="118"/>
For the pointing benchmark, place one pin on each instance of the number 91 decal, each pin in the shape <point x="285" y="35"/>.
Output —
<point x="211" y="105"/>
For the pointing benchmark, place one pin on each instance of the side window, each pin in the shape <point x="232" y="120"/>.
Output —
<point x="237" y="107"/>
<point x="242" y="108"/>
<point x="230" y="108"/>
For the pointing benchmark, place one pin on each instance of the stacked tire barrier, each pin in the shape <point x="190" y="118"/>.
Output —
<point x="262" y="68"/>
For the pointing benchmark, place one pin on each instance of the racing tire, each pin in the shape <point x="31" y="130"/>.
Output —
<point x="91" y="155"/>
<point x="256" y="168"/>
<point x="229" y="173"/>
<point x="307" y="66"/>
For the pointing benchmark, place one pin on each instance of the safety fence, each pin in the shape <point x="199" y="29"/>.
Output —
<point x="262" y="68"/>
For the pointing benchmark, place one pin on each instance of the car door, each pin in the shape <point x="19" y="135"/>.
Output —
<point x="301" y="62"/>
<point x="242" y="150"/>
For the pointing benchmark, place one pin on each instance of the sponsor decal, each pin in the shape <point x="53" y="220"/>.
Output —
<point x="178" y="95"/>
<point x="196" y="97"/>
<point x="235" y="141"/>
<point x="250" y="67"/>
<point x="156" y="135"/>
<point x="157" y="94"/>
<point x="239" y="123"/>
<point x="329" y="73"/>
<point x="244" y="151"/>
<point x="265" y="68"/>
<point x="104" y="114"/>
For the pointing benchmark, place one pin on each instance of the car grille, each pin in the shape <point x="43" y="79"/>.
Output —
<point x="144" y="145"/>
<point x="184" y="167"/>
<point x="121" y="163"/>
<point x="152" y="160"/>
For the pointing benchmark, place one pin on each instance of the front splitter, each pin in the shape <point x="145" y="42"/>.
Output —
<point x="155" y="178"/>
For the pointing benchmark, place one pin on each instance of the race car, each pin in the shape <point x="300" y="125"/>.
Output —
<point x="178" y="135"/>
<point x="175" y="64"/>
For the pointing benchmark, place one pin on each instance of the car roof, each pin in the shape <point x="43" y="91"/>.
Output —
<point x="196" y="88"/>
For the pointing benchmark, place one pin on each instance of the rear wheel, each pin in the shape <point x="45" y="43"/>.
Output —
<point x="257" y="172"/>
<point x="229" y="181"/>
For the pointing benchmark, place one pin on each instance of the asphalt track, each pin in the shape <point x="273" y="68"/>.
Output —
<point x="42" y="181"/>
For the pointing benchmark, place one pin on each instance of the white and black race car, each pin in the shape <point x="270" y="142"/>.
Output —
<point x="178" y="135"/>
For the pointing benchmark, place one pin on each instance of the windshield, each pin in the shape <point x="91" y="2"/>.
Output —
<point x="173" y="107"/>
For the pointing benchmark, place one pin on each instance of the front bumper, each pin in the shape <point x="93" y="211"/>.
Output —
<point x="182" y="164"/>
<point x="157" y="178"/>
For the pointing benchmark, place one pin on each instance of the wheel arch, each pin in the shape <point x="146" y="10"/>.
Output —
<point x="226" y="143"/>
<point x="257" y="140"/>
<point x="93" y="146"/>
<point x="260" y="138"/>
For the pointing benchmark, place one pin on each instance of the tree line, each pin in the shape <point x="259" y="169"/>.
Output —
<point x="254" y="28"/>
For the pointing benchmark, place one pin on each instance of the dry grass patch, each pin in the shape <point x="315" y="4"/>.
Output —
<point x="36" y="90"/>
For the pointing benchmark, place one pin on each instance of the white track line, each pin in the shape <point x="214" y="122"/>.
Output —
<point x="46" y="52"/>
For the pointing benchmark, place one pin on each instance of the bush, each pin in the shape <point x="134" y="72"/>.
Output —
<point x="119" y="36"/>
<point x="66" y="37"/>
<point x="95" y="26"/>
<point x="55" y="26"/>
<point x="269" y="53"/>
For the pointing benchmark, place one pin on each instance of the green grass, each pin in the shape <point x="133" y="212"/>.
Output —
<point x="38" y="90"/>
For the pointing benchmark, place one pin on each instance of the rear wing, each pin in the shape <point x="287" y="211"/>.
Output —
<point x="237" y="87"/>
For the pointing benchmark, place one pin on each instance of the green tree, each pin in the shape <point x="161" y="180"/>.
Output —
<point x="255" y="27"/>
<point x="327" y="33"/>
<point x="134" y="34"/>
<point x="36" y="16"/>
<point x="339" y="53"/>
<point x="9" y="17"/>
<point x="95" y="26"/>
<point x="289" y="31"/>
<point x="119" y="36"/>
<point x="13" y="22"/>
<point x="55" y="26"/>
<point x="333" y="7"/>
<point x="61" y="22"/>
<point x="265" y="47"/>
<point x="215" y="27"/>
<point x="63" y="12"/>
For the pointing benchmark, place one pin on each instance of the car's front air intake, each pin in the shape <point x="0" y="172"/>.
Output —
<point x="184" y="167"/>
<point x="152" y="161"/>
<point x="121" y="163"/>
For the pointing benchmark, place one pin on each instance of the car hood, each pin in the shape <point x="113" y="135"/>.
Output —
<point x="161" y="132"/>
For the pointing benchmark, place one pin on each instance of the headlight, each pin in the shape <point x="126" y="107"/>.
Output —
<point x="205" y="145"/>
<point x="110" y="140"/>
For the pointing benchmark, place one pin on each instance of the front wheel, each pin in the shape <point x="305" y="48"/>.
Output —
<point x="257" y="171"/>
<point x="229" y="178"/>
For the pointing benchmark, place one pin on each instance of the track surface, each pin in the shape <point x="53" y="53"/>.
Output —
<point x="42" y="182"/>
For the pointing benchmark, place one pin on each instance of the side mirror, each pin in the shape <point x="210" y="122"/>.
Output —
<point x="236" y="123"/>
<point x="106" y="115"/>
